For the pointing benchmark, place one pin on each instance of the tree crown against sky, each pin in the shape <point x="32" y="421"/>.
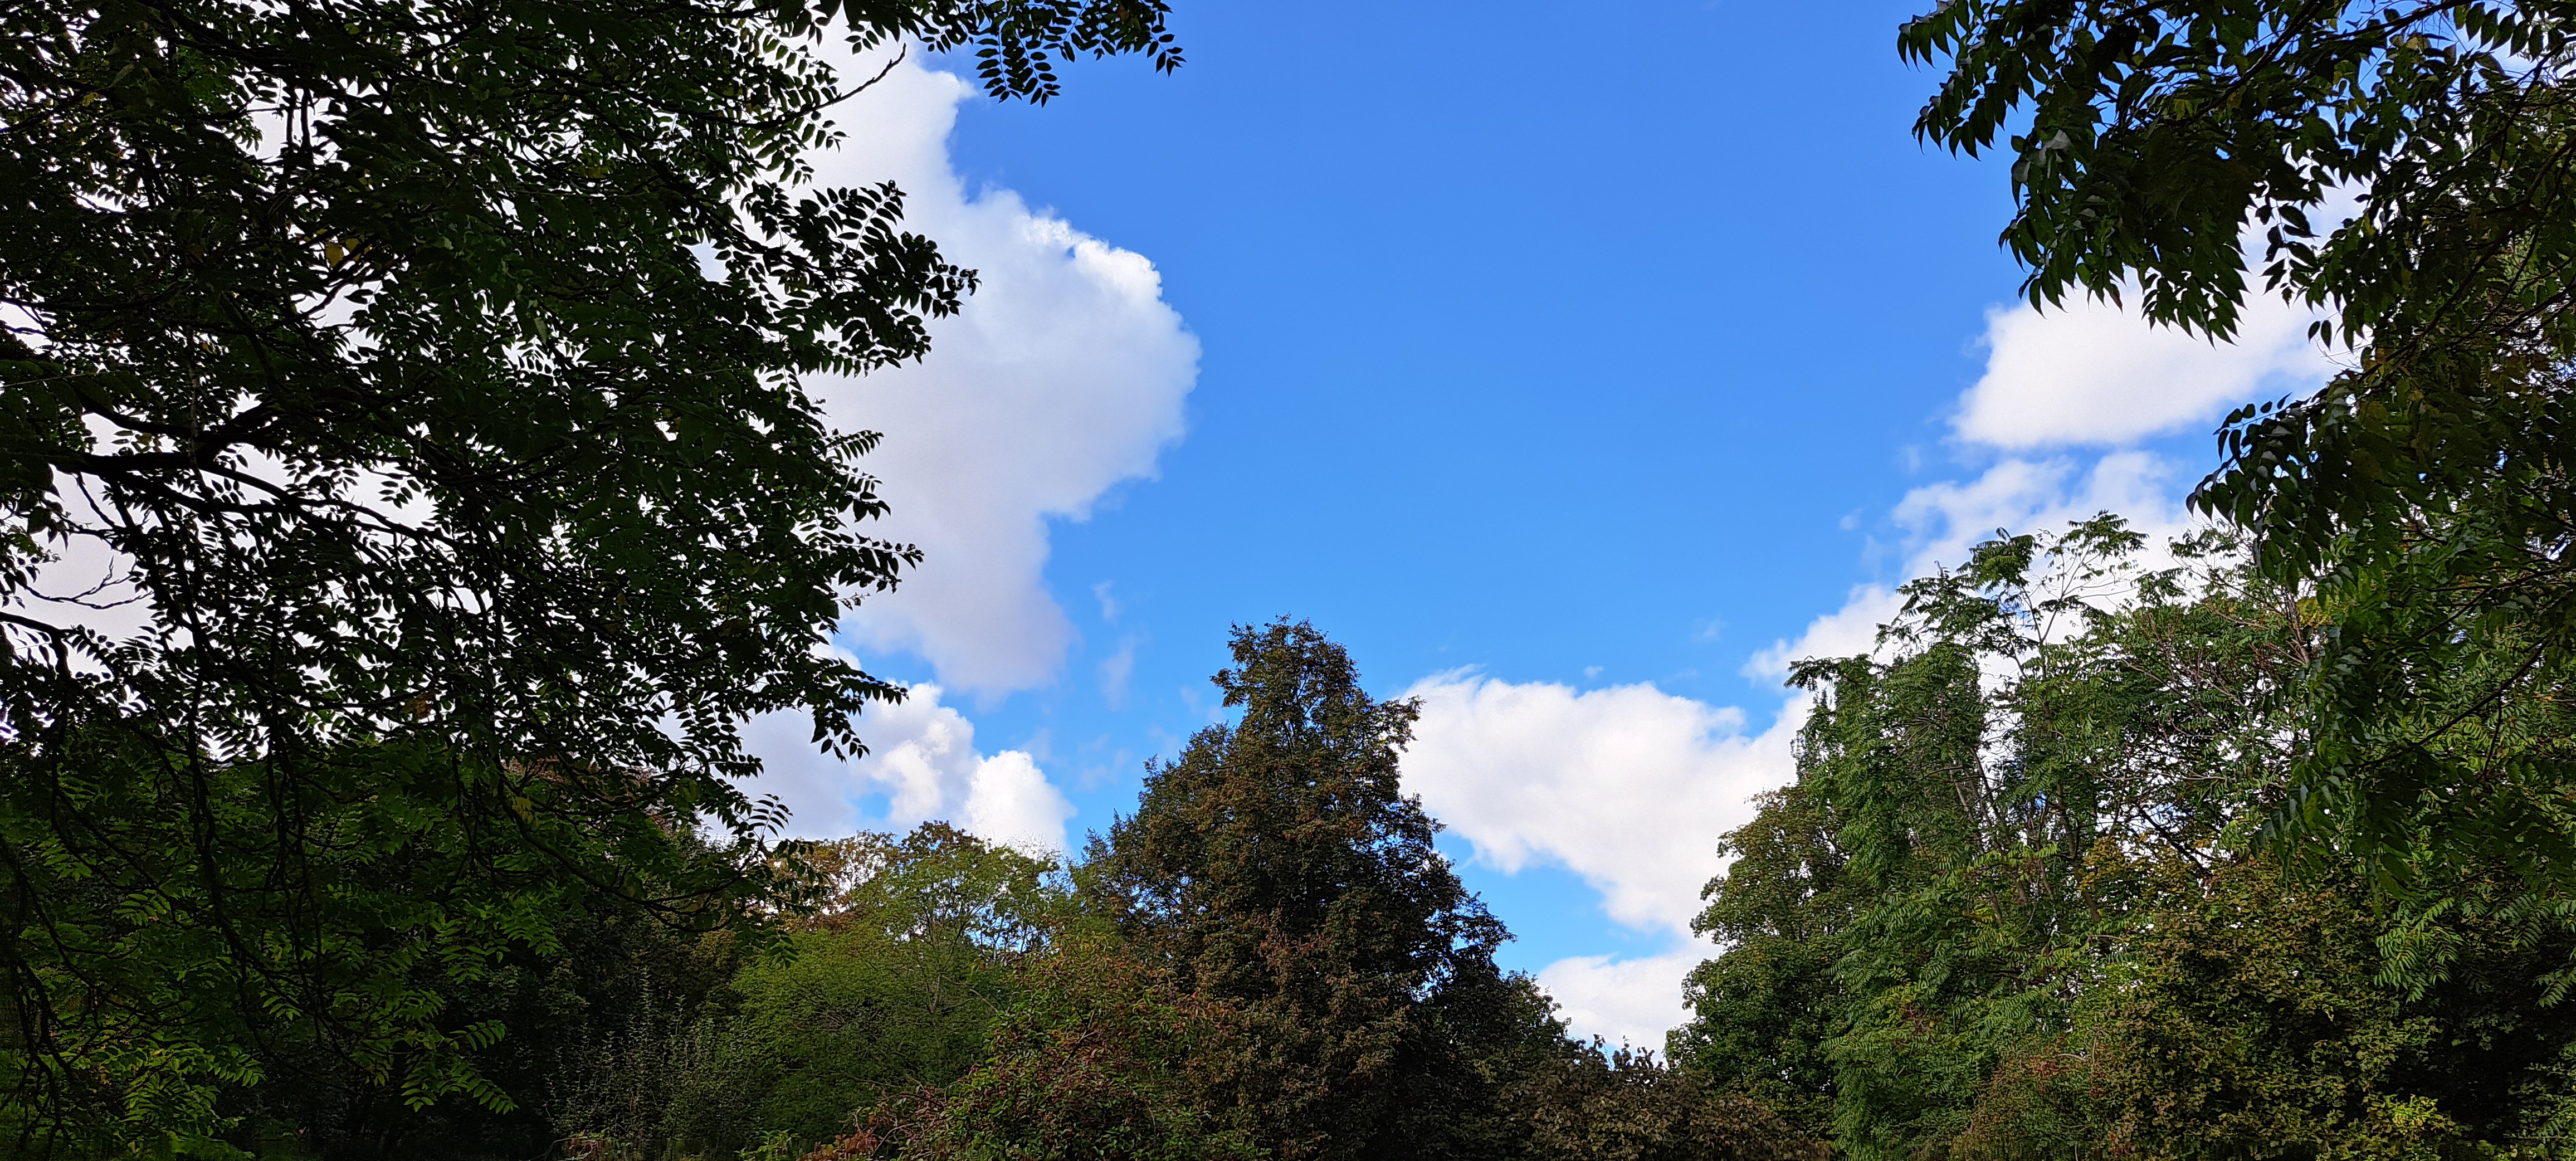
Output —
<point x="1277" y="867"/>
<point x="408" y="492"/>
<point x="2009" y="906"/>
<point x="1278" y="963"/>
<point x="2172" y="149"/>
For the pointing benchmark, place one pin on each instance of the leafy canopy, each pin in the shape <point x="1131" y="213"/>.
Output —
<point x="406" y="489"/>
<point x="2010" y="907"/>
<point x="2427" y="486"/>
<point x="1273" y="960"/>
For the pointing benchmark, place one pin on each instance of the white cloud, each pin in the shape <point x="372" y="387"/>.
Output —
<point x="1010" y="801"/>
<point x="922" y="759"/>
<point x="1623" y="1001"/>
<point x="1064" y="375"/>
<point x="2090" y="373"/>
<point x="1628" y="787"/>
<point x="1944" y="520"/>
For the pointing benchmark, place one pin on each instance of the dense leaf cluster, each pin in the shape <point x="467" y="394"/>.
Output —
<point x="2011" y="907"/>
<point x="406" y="491"/>
<point x="2171" y="147"/>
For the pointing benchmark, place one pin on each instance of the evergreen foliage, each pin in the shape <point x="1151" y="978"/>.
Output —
<point x="1278" y="868"/>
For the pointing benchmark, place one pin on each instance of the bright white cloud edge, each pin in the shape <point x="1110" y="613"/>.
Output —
<point x="2093" y="374"/>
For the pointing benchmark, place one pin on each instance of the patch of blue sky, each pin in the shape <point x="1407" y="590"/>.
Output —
<point x="1576" y="349"/>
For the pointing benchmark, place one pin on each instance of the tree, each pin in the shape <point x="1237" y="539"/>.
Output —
<point x="897" y="981"/>
<point x="1273" y="960"/>
<point x="1764" y="1009"/>
<point x="1278" y="867"/>
<point x="1099" y="1059"/>
<point x="1590" y="1105"/>
<point x="2302" y="1031"/>
<point x="423" y="376"/>
<point x="2427" y="486"/>
<point x="2011" y="907"/>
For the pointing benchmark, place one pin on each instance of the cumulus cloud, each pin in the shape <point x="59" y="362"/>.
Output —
<point x="1064" y="375"/>
<point x="2090" y="373"/>
<point x="2093" y="374"/>
<point x="922" y="764"/>
<point x="1626" y="786"/>
<point x="1623" y="1001"/>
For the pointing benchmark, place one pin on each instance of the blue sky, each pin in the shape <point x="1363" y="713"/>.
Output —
<point x="1572" y="365"/>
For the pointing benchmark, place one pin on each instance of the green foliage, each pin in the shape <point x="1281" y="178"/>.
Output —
<point x="174" y="945"/>
<point x="423" y="377"/>
<point x="2426" y="487"/>
<point x="1587" y="1105"/>
<point x="1766" y="1007"/>
<point x="898" y="988"/>
<point x="1277" y="867"/>
<point x="2233" y="1038"/>
<point x="894" y="981"/>
<point x="1102" y="1059"/>
<point x="2011" y="907"/>
<point x="1275" y="961"/>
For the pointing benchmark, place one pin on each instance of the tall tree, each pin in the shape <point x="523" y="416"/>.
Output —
<point x="1277" y="962"/>
<point x="422" y="376"/>
<point x="1762" y="1011"/>
<point x="1278" y="867"/>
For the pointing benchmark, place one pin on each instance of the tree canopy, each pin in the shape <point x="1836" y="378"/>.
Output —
<point x="2010" y="907"/>
<point x="2172" y="149"/>
<point x="1278" y="868"/>
<point x="1273" y="960"/>
<point x="407" y="489"/>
